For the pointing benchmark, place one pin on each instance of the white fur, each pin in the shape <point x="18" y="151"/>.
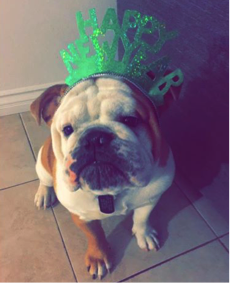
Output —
<point x="85" y="203"/>
<point x="45" y="195"/>
<point x="100" y="103"/>
<point x="111" y="99"/>
<point x="44" y="177"/>
<point x="145" y="234"/>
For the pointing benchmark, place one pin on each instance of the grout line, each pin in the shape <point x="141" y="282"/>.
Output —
<point x="223" y="235"/>
<point x="199" y="213"/>
<point x="161" y="263"/>
<point x="6" y="188"/>
<point x="222" y="244"/>
<point x="28" y="139"/>
<point x="169" y="259"/>
<point x="63" y="242"/>
<point x="27" y="136"/>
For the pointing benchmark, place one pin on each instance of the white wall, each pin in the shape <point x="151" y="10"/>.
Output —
<point x="32" y="33"/>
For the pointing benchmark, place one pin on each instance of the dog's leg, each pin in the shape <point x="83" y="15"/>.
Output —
<point x="45" y="195"/>
<point x="146" y="236"/>
<point x="97" y="255"/>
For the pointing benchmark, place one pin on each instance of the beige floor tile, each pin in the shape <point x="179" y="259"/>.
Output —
<point x="16" y="159"/>
<point x="30" y="245"/>
<point x="37" y="134"/>
<point x="209" y="202"/>
<point x="225" y="241"/>
<point x="206" y="264"/>
<point x="179" y="226"/>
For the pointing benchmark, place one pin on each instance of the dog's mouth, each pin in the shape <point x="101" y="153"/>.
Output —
<point x="104" y="171"/>
<point x="99" y="175"/>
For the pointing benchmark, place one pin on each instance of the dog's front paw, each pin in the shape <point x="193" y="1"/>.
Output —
<point x="98" y="262"/>
<point x="45" y="197"/>
<point x="146" y="238"/>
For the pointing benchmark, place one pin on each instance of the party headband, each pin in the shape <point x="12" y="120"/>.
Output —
<point x="150" y="77"/>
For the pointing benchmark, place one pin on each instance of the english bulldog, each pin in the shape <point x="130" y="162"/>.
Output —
<point x="106" y="156"/>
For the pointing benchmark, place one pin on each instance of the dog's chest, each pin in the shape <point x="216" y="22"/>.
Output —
<point x="86" y="205"/>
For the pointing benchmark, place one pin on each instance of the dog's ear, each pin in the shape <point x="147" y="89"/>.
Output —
<point x="47" y="103"/>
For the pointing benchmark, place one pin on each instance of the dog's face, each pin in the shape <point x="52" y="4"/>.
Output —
<point x="104" y="138"/>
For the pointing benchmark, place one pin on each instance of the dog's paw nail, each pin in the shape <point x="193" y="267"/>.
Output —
<point x="145" y="250"/>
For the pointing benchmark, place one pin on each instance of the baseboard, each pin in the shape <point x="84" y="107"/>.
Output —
<point x="18" y="100"/>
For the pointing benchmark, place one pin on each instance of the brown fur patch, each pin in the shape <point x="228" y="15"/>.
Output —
<point x="47" y="103"/>
<point x="98" y="250"/>
<point x="148" y="113"/>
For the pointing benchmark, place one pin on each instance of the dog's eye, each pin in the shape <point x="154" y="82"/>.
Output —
<point x="130" y="121"/>
<point x="67" y="130"/>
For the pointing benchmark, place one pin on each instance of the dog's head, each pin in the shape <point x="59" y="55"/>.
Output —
<point x="105" y="134"/>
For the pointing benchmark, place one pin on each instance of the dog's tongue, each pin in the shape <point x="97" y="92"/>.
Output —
<point x="106" y="204"/>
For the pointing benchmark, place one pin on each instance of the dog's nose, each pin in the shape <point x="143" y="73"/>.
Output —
<point x="96" y="138"/>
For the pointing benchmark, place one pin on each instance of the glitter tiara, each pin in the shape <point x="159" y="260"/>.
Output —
<point x="83" y="62"/>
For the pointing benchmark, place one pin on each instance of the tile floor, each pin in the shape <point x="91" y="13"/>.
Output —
<point x="38" y="246"/>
